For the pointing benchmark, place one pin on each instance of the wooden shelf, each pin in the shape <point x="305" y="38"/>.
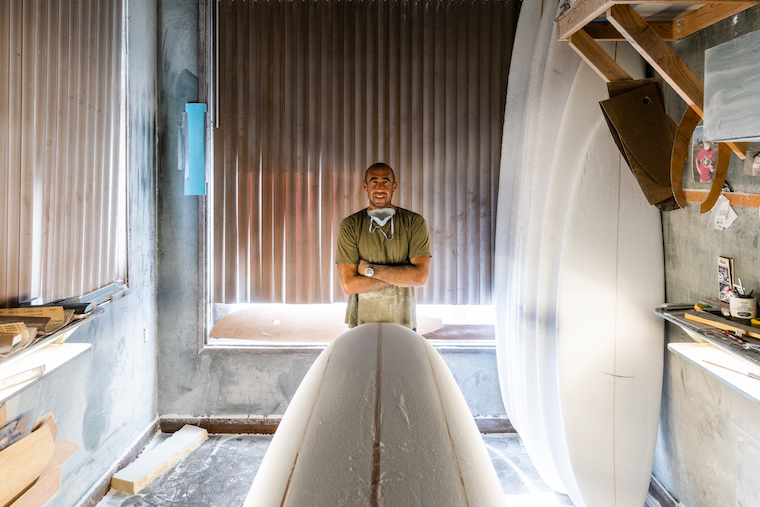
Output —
<point x="735" y="198"/>
<point x="647" y="25"/>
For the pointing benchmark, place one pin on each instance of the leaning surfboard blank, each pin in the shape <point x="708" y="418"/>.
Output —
<point x="576" y="278"/>
<point x="377" y="420"/>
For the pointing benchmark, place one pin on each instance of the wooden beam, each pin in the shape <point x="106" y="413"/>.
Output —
<point x="659" y="55"/>
<point x="593" y="54"/>
<point x="694" y="21"/>
<point x="603" y="30"/>
<point x="735" y="198"/>
<point x="579" y="15"/>
<point x="665" y="61"/>
<point x="584" y="12"/>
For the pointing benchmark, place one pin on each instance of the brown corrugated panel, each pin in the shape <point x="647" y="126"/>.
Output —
<point x="313" y="92"/>
<point x="60" y="139"/>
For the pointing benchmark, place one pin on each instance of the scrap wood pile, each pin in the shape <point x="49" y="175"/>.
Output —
<point x="20" y="328"/>
<point x="30" y="460"/>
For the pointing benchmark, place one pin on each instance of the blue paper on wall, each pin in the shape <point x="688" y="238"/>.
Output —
<point x="192" y="148"/>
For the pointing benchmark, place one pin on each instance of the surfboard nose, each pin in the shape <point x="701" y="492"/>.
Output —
<point x="378" y="420"/>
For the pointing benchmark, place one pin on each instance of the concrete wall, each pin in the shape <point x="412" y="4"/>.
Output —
<point x="224" y="384"/>
<point x="709" y="441"/>
<point x="106" y="398"/>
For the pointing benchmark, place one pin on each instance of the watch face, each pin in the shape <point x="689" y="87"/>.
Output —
<point x="369" y="271"/>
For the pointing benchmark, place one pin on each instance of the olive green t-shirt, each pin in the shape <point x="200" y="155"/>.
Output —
<point x="407" y="239"/>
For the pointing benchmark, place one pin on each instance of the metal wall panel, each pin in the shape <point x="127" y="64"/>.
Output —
<point x="732" y="90"/>
<point x="311" y="93"/>
<point x="60" y="143"/>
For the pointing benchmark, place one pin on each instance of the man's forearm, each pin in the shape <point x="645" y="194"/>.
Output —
<point x="412" y="274"/>
<point x="363" y="284"/>
<point x="354" y="283"/>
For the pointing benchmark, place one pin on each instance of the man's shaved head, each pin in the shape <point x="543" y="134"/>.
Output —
<point x="379" y="183"/>
<point x="379" y="165"/>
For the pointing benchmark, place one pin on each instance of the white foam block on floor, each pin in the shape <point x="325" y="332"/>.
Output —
<point x="153" y="463"/>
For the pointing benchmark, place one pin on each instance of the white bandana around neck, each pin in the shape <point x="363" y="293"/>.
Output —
<point x="380" y="217"/>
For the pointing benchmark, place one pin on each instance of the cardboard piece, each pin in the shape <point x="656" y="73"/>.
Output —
<point x="644" y="134"/>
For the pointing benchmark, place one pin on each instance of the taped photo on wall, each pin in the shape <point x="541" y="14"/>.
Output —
<point x="704" y="157"/>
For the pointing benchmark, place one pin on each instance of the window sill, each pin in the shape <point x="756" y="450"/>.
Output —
<point x="229" y="346"/>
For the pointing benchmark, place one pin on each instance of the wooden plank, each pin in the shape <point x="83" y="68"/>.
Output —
<point x="584" y="12"/>
<point x="694" y="21"/>
<point x="664" y="60"/>
<point x="659" y="55"/>
<point x="150" y="465"/>
<point x="23" y="462"/>
<point x="3" y="415"/>
<point x="735" y="198"/>
<point x="604" y="31"/>
<point x="46" y="420"/>
<point x="593" y="54"/>
<point x="50" y="479"/>
<point x="42" y="491"/>
<point x="721" y="323"/>
<point x="578" y="16"/>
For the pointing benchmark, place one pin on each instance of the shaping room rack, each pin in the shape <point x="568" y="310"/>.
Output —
<point x="647" y="25"/>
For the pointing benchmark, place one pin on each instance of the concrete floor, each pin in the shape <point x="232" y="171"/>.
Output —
<point x="219" y="473"/>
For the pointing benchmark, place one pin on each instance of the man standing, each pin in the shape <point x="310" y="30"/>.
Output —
<point x="383" y="254"/>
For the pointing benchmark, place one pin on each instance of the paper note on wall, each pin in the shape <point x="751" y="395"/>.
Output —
<point x="722" y="214"/>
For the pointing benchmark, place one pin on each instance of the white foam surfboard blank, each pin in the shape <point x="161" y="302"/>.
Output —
<point x="559" y="396"/>
<point x="610" y="359"/>
<point x="378" y="420"/>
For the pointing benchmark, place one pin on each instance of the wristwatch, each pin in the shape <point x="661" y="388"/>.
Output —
<point x="369" y="271"/>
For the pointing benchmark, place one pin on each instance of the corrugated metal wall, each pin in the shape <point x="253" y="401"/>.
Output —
<point x="310" y="93"/>
<point x="62" y="196"/>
